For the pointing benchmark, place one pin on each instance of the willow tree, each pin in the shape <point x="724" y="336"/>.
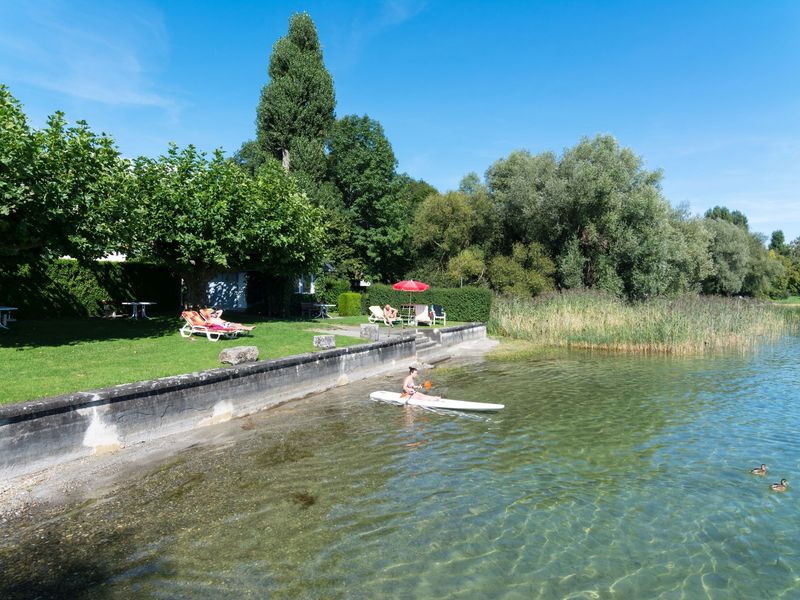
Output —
<point x="296" y="108"/>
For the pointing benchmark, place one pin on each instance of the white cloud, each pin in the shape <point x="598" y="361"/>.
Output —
<point x="110" y="55"/>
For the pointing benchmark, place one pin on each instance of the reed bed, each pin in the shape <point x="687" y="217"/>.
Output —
<point x="682" y="326"/>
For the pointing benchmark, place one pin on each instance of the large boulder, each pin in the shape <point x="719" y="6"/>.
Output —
<point x="239" y="354"/>
<point x="325" y="342"/>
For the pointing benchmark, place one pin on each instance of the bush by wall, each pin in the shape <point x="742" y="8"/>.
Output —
<point x="349" y="304"/>
<point x="64" y="288"/>
<point x="462" y="304"/>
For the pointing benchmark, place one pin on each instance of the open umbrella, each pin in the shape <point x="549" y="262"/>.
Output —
<point x="410" y="286"/>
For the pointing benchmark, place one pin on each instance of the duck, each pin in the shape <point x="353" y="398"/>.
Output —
<point x="762" y="470"/>
<point x="780" y="487"/>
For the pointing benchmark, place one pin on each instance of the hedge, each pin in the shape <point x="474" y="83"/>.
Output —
<point x="329" y="289"/>
<point x="461" y="304"/>
<point x="349" y="304"/>
<point x="65" y="288"/>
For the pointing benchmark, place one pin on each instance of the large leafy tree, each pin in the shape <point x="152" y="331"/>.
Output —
<point x="61" y="188"/>
<point x="596" y="210"/>
<point x="296" y="108"/>
<point x="444" y="226"/>
<point x="730" y="250"/>
<point x="362" y="167"/>
<point x="199" y="217"/>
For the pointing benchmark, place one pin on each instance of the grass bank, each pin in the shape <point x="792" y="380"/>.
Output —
<point x="46" y="358"/>
<point x="688" y="325"/>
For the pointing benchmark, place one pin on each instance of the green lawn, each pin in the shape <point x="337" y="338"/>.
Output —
<point x="789" y="300"/>
<point x="46" y="358"/>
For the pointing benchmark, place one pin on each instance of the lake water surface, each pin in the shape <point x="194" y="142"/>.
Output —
<point x="605" y="476"/>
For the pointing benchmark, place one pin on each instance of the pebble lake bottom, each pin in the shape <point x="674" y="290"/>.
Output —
<point x="606" y="476"/>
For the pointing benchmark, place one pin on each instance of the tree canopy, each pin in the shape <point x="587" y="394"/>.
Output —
<point x="296" y="107"/>
<point x="199" y="217"/>
<point x="61" y="187"/>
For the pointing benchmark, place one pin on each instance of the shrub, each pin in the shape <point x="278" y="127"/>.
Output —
<point x="462" y="304"/>
<point x="349" y="304"/>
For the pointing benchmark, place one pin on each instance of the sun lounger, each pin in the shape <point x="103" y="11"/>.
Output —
<point x="376" y="315"/>
<point x="213" y="317"/>
<point x="194" y="323"/>
<point x="421" y="317"/>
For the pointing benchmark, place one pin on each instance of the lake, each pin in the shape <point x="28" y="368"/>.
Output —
<point x="606" y="476"/>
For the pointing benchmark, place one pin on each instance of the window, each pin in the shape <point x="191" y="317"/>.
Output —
<point x="305" y="284"/>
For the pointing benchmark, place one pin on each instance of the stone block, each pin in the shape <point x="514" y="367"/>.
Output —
<point x="239" y="354"/>
<point x="325" y="342"/>
<point x="369" y="331"/>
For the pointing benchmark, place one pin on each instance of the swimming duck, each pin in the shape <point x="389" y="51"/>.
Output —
<point x="762" y="470"/>
<point x="780" y="487"/>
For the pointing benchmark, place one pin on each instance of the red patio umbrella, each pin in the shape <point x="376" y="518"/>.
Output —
<point x="409" y="285"/>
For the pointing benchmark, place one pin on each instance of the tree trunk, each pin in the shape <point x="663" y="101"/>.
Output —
<point x="285" y="158"/>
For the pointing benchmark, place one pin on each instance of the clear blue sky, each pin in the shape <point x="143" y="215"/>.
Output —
<point x="709" y="92"/>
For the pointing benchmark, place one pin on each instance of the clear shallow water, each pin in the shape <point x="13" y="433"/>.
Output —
<point x="604" y="477"/>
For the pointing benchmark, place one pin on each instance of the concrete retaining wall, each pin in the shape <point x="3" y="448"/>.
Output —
<point x="41" y="433"/>
<point x="450" y="336"/>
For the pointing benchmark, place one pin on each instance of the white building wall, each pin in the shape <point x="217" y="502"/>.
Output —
<point x="227" y="291"/>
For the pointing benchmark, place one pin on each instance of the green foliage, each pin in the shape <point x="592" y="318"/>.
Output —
<point x="199" y="217"/>
<point x="349" y="304"/>
<point x="597" y="206"/>
<point x="328" y="288"/>
<point x="764" y="272"/>
<point x="730" y="252"/>
<point x="734" y="217"/>
<point x="443" y="226"/>
<point x="571" y="264"/>
<point x="361" y="165"/>
<point x="527" y="272"/>
<point x="461" y="304"/>
<point x="299" y="100"/>
<point x="66" y="288"/>
<point x="778" y="243"/>
<point x="61" y="188"/>
<point x="250" y="157"/>
<point x="690" y="258"/>
<point x="468" y="267"/>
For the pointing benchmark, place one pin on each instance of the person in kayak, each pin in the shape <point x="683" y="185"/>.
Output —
<point x="410" y="387"/>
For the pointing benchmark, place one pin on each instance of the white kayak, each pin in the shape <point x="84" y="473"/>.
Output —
<point x="397" y="398"/>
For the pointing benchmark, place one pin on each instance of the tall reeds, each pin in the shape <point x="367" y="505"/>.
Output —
<point x="686" y="325"/>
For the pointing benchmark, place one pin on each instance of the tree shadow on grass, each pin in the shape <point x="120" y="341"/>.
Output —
<point x="64" y="332"/>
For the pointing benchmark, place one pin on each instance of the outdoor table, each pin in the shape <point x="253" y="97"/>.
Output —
<point x="323" y="310"/>
<point x="138" y="309"/>
<point x="5" y="315"/>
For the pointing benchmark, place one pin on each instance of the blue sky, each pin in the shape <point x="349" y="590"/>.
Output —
<point x="708" y="92"/>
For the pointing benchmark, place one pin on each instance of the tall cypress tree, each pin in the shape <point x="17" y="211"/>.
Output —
<point x="296" y="107"/>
